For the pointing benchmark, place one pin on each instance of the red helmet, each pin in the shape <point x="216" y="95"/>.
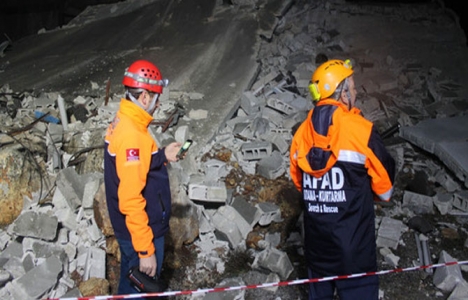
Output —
<point x="143" y="74"/>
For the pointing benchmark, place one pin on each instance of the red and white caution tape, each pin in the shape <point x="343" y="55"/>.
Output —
<point x="267" y="285"/>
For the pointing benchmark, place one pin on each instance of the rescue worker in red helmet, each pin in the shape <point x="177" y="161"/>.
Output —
<point x="339" y="163"/>
<point x="135" y="175"/>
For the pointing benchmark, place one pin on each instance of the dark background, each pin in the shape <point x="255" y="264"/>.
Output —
<point x="20" y="18"/>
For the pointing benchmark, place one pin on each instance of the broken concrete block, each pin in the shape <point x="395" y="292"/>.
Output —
<point x="4" y="239"/>
<point x="447" y="277"/>
<point x="262" y="83"/>
<point x="390" y="258"/>
<point x="269" y="213"/>
<point x="443" y="202"/>
<point x="256" y="150"/>
<point x="273" y="116"/>
<point x="108" y="111"/>
<point x="446" y="181"/>
<point x="43" y="102"/>
<point x="35" y="283"/>
<point x="389" y="232"/>
<point x="5" y="276"/>
<point x="460" y="200"/>
<point x="96" y="264"/>
<point x="271" y="167"/>
<point x="204" y="221"/>
<point x="460" y="291"/>
<point x="66" y="217"/>
<point x="213" y="192"/>
<point x="37" y="225"/>
<point x="28" y="261"/>
<point x="89" y="191"/>
<point x="230" y="213"/>
<point x="273" y="239"/>
<point x="259" y="126"/>
<point x="215" y="169"/>
<point x="250" y="103"/>
<point x="274" y="260"/>
<point x="250" y="213"/>
<point x="93" y="231"/>
<point x="281" y="106"/>
<point x="418" y="203"/>
<point x="43" y="249"/>
<point x="248" y="167"/>
<point x="243" y="129"/>
<point x="279" y="140"/>
<point x="71" y="186"/>
<point x="14" y="249"/>
<point x="226" y="230"/>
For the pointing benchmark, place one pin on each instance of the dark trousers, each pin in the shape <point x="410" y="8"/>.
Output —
<point x="365" y="288"/>
<point x="129" y="258"/>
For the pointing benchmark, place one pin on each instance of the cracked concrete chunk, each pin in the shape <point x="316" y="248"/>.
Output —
<point x="274" y="260"/>
<point x="389" y="233"/>
<point x="35" y="283"/>
<point x="71" y="187"/>
<point x="419" y="204"/>
<point x="460" y="292"/>
<point x="270" y="212"/>
<point x="37" y="225"/>
<point x="446" y="278"/>
<point x="271" y="167"/>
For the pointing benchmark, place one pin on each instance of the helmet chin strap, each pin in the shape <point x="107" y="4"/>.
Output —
<point x="153" y="103"/>
<point x="151" y="106"/>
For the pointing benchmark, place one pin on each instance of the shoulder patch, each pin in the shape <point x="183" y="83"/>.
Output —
<point x="133" y="154"/>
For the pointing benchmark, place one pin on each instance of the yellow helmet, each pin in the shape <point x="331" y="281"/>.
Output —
<point x="328" y="76"/>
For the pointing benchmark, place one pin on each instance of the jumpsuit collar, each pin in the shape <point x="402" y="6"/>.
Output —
<point x="136" y="113"/>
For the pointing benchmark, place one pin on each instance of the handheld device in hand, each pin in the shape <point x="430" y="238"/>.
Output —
<point x="145" y="283"/>
<point x="184" y="149"/>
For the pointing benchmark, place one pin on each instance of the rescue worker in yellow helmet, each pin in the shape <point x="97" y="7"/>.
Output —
<point x="135" y="175"/>
<point x="339" y="163"/>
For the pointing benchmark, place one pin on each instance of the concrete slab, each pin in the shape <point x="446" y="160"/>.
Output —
<point x="447" y="138"/>
<point x="200" y="46"/>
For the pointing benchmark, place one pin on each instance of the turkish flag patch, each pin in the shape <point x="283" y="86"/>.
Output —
<point x="133" y="154"/>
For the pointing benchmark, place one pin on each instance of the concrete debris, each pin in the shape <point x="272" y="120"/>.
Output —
<point x="36" y="225"/>
<point x="460" y="291"/>
<point x="423" y="251"/>
<point x="419" y="204"/>
<point x="274" y="260"/>
<point x="35" y="283"/>
<point x="390" y="258"/>
<point x="389" y="232"/>
<point x="53" y="237"/>
<point x="446" y="138"/>
<point x="229" y="295"/>
<point x="447" y="278"/>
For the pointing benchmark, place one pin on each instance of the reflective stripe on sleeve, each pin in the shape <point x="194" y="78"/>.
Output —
<point x="351" y="156"/>
<point x="385" y="196"/>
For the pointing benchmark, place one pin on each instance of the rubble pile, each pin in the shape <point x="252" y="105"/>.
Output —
<point x="56" y="234"/>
